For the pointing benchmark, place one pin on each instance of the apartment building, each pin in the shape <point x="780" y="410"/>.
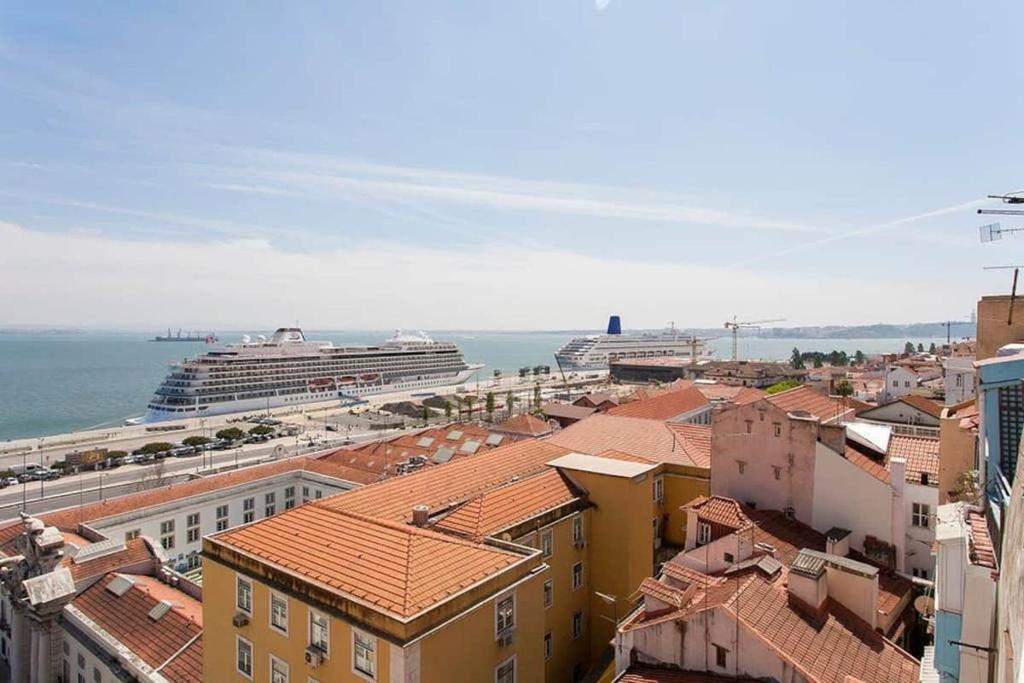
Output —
<point x="509" y="566"/>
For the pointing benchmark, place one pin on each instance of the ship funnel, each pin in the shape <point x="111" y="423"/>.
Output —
<point x="614" y="325"/>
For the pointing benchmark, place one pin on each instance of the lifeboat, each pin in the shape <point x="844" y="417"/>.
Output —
<point x="321" y="382"/>
<point x="369" y="377"/>
<point x="347" y="379"/>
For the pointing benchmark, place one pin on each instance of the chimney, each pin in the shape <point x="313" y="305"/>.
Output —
<point x="833" y="436"/>
<point x="837" y="542"/>
<point x="807" y="584"/>
<point x="898" y="482"/>
<point x="420" y="514"/>
<point x="815" y="576"/>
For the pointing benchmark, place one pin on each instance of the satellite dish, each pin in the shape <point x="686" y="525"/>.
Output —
<point x="245" y="339"/>
<point x="924" y="605"/>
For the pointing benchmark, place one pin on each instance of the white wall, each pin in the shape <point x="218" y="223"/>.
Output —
<point x="920" y="540"/>
<point x="848" y="497"/>
<point x="959" y="381"/>
<point x="899" y="382"/>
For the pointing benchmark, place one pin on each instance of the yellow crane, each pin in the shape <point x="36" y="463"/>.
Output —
<point x="735" y="327"/>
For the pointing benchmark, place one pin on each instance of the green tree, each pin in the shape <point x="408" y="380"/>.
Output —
<point x="844" y="388"/>
<point x="782" y="386"/>
<point x="932" y="350"/>
<point x="796" y="361"/>
<point x="230" y="434"/>
<point x="196" y="441"/>
<point x="817" y="361"/>
<point x="155" y="447"/>
<point x="920" y="347"/>
<point x="470" y="400"/>
<point x="261" y="430"/>
<point x="536" y="396"/>
<point x="116" y="454"/>
<point x="426" y="414"/>
<point x="448" y="410"/>
<point x="510" y="401"/>
<point x="908" y="348"/>
<point x="858" y="357"/>
<point x="489" y="404"/>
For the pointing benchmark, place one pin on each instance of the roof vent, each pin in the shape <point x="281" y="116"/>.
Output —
<point x="160" y="609"/>
<point x="120" y="585"/>
<point x="420" y="515"/>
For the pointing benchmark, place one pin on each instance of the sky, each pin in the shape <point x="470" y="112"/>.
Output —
<point x="515" y="165"/>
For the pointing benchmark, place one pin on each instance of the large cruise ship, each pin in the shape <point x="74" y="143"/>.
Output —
<point x="594" y="352"/>
<point x="288" y="370"/>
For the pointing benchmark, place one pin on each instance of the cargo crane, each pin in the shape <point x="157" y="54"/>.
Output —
<point x="749" y="324"/>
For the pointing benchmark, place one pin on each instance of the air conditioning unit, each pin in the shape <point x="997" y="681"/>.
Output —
<point x="314" y="656"/>
<point x="505" y="638"/>
<point x="240" y="619"/>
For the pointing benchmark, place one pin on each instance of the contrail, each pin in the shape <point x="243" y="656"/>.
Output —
<point x="866" y="231"/>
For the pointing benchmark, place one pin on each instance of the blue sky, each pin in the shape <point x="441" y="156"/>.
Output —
<point x="518" y="165"/>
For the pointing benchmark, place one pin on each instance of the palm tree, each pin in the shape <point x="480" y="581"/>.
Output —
<point x="448" y="410"/>
<point x="470" y="400"/>
<point x="490" y="405"/>
<point x="510" y="400"/>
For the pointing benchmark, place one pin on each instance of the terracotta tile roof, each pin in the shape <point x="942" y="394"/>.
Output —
<point x="923" y="404"/>
<point x="526" y="425"/>
<point x="662" y="407"/>
<point x="503" y="507"/>
<point x="567" y="411"/>
<point x="378" y="459"/>
<point x="155" y="641"/>
<point x="825" y="408"/>
<point x="188" y="666"/>
<point x="136" y="552"/>
<point x="748" y="395"/>
<point x="651" y="587"/>
<point x="450" y="484"/>
<point x="826" y="649"/>
<point x="395" y="567"/>
<point x="687" y="445"/>
<point x="683" y="574"/>
<point x="644" y="674"/>
<point x="719" y="510"/>
<point x="69" y="519"/>
<point x="876" y="468"/>
<point x="982" y="552"/>
<point x="922" y="457"/>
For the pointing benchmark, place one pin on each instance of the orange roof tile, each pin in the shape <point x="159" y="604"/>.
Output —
<point x="450" y="484"/>
<point x="503" y="507"/>
<point x="663" y="407"/>
<point x="825" y="408"/>
<point x="922" y="457"/>
<point x="136" y="554"/>
<point x="567" y="410"/>
<point x="155" y="641"/>
<point x="643" y="674"/>
<point x="69" y="519"/>
<point x="379" y="459"/>
<point x="923" y="404"/>
<point x="526" y="425"/>
<point x="982" y="551"/>
<point x="394" y="567"/>
<point x="651" y="587"/>
<point x="719" y="510"/>
<point x="660" y="442"/>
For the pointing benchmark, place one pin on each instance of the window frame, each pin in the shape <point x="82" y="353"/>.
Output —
<point x="576" y="586"/>
<point x="577" y="528"/>
<point x="547" y="543"/>
<point x="270" y="617"/>
<point x="497" y="669"/>
<point x="920" y="512"/>
<point x="326" y="647"/>
<point x="238" y="652"/>
<point x="549" y="646"/>
<point x="721" y="655"/>
<point x="357" y="635"/>
<point x="659" y="488"/>
<point x="239" y="580"/>
<point x="549" y="593"/>
<point x="499" y="616"/>
<point x="576" y="616"/>
<point x="278" y="660"/>
<point x="703" y="533"/>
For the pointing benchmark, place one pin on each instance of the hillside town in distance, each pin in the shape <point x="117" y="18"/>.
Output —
<point x="832" y="518"/>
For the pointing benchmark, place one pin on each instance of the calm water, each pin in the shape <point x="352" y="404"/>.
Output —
<point x="53" y="383"/>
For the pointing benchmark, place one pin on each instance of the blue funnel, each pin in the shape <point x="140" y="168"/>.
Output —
<point x="614" y="325"/>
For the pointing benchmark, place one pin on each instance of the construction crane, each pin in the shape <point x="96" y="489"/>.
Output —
<point x="749" y="324"/>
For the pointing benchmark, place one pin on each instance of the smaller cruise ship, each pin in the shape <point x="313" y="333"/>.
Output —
<point x="594" y="352"/>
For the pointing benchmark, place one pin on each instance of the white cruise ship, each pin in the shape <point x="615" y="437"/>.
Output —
<point x="288" y="370"/>
<point x="594" y="352"/>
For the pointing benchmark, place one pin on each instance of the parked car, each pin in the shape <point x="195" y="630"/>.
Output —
<point x="10" y="481"/>
<point x="24" y="477"/>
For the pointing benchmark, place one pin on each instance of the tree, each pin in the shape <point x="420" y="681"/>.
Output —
<point x="782" y="386"/>
<point x="536" y="396"/>
<point x="470" y="400"/>
<point x="796" y="361"/>
<point x="448" y="410"/>
<point x="489" y="404"/>
<point x="230" y="434"/>
<point x="858" y="357"/>
<point x="261" y="430"/>
<point x="196" y="441"/>
<point x="426" y="414"/>
<point x="510" y="401"/>
<point x="920" y="347"/>
<point x="817" y="361"/>
<point x="932" y="350"/>
<point x="908" y="348"/>
<point x="154" y="448"/>
<point x="844" y="388"/>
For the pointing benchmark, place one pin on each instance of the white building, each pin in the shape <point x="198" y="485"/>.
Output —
<point x="959" y="379"/>
<point x="899" y="381"/>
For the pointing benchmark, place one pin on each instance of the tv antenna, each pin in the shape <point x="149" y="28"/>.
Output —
<point x="994" y="231"/>
<point x="1013" y="289"/>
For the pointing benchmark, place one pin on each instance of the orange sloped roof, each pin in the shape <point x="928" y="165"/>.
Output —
<point x="923" y="404"/>
<point x="378" y="459"/>
<point x="500" y="508"/>
<point x="527" y="425"/>
<point x="748" y="395"/>
<point x="982" y="551"/>
<point x="448" y="484"/>
<point x="823" y="407"/>
<point x="651" y="440"/>
<point x="922" y="457"/>
<point x="394" y="567"/>
<point x="653" y="588"/>
<point x="136" y="552"/>
<point x="662" y="407"/>
<point x="719" y="510"/>
<point x="156" y="641"/>
<point x="827" y="649"/>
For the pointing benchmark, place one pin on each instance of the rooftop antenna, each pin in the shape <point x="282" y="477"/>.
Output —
<point x="1013" y="288"/>
<point x="749" y="324"/>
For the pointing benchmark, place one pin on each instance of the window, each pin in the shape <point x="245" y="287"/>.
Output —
<point x="167" y="527"/>
<point x="504" y="614"/>
<point x="547" y="646"/>
<point x="97" y="677"/>
<point x="193" y="519"/>
<point x="577" y="576"/>
<point x="248" y="517"/>
<point x="720" y="656"/>
<point x="249" y="504"/>
<point x="269" y="498"/>
<point x="906" y="384"/>
<point x="895" y="383"/>
<point x="577" y="529"/>
<point x="577" y="625"/>
<point x="728" y="557"/>
<point x="192" y="535"/>
<point x="703" y="533"/>
<point x="778" y="429"/>
<point x="777" y="471"/>
<point x="222" y="511"/>
<point x="741" y="466"/>
<point x="279" y="612"/>
<point x="364" y="654"/>
<point x="659" y="488"/>
<point x="278" y="670"/>
<point x="222" y="524"/>
<point x="549" y="593"/>
<point x="305" y="492"/>
<point x="269" y="511"/>
<point x="506" y="671"/>
<point x="132" y="535"/>
<point x="289" y="504"/>
<point x="289" y="492"/>
<point x="545" y="543"/>
<point x="319" y="494"/>
<point x="243" y="656"/>
<point x="243" y="594"/>
<point x="319" y="631"/>
<point x="920" y="573"/>
<point x="193" y="560"/>
<point x="81" y="677"/>
<point x="81" y="661"/>
<point x="167" y="542"/>
<point x="920" y="515"/>
<point x="750" y="426"/>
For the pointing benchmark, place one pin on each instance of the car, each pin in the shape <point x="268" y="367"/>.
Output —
<point x="24" y="477"/>
<point x="51" y="474"/>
